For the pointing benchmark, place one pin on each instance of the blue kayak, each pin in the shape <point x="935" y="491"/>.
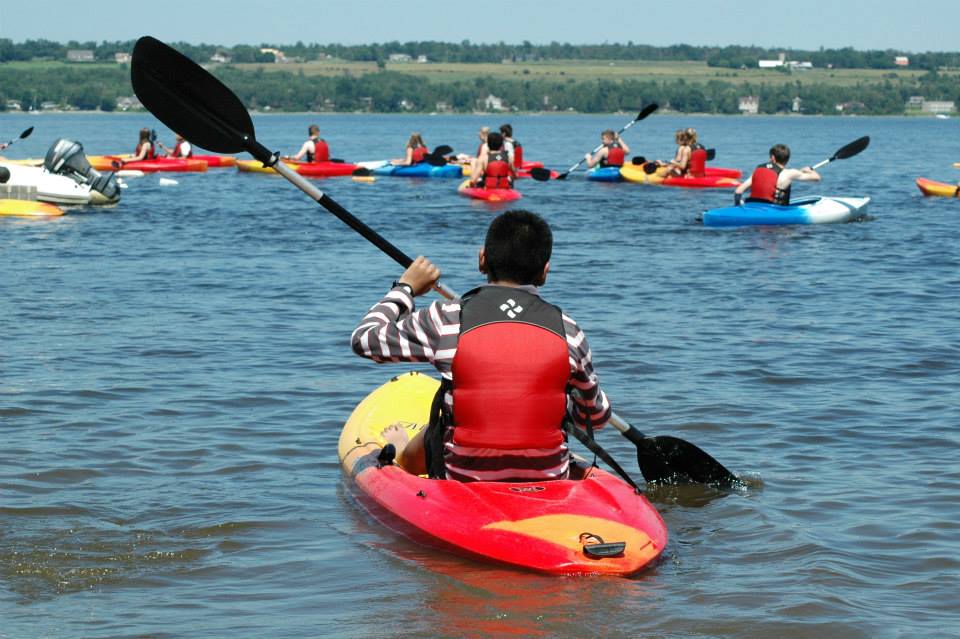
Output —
<point x="605" y="174"/>
<point x="817" y="209"/>
<point x="421" y="170"/>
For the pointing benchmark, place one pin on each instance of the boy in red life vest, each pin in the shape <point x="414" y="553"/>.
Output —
<point x="513" y="147"/>
<point x="513" y="366"/>
<point x="182" y="148"/>
<point x="771" y="182"/>
<point x="315" y="149"/>
<point x="612" y="153"/>
<point x="494" y="170"/>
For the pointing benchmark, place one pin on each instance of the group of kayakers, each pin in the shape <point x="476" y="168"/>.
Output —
<point x="499" y="156"/>
<point x="148" y="143"/>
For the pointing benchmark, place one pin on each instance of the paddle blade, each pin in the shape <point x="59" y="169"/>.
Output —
<point x="26" y="133"/>
<point x="435" y="160"/>
<point x="443" y="149"/>
<point x="541" y="174"/>
<point x="638" y="160"/>
<point x="852" y="149"/>
<point x="647" y="110"/>
<point x="189" y="100"/>
<point x="361" y="172"/>
<point x="650" y="168"/>
<point x="711" y="154"/>
<point x="670" y="460"/>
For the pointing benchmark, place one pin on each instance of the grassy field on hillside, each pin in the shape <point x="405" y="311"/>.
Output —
<point x="589" y="70"/>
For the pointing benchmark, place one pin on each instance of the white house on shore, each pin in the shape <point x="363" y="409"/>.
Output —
<point x="749" y="105"/>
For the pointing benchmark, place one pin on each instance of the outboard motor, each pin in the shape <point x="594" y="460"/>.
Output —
<point x="67" y="158"/>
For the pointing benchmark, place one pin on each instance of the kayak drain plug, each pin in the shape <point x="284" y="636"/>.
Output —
<point x="595" y="548"/>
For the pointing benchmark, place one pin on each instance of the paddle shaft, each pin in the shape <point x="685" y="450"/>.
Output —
<point x="24" y="134"/>
<point x="600" y="146"/>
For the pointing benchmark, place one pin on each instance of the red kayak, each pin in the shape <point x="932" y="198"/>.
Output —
<point x="177" y="165"/>
<point x="591" y="523"/>
<point x="526" y="167"/>
<point x="489" y="195"/>
<point x="216" y="161"/>
<point x="715" y="178"/>
<point x="308" y="169"/>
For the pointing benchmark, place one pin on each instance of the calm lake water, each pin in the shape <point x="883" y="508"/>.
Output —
<point x="175" y="370"/>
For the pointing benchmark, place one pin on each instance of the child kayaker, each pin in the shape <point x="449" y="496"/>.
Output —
<point x="315" y="148"/>
<point x="698" y="155"/>
<point x="494" y="170"/>
<point x="612" y="153"/>
<point x="513" y="148"/>
<point x="145" y="149"/>
<point x="513" y="366"/>
<point x="416" y="151"/>
<point x="770" y="182"/>
<point x="680" y="163"/>
<point x="181" y="149"/>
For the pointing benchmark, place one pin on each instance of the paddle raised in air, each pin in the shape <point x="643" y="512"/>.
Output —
<point x="543" y="174"/>
<point x="847" y="151"/>
<point x="188" y="99"/>
<point x="25" y="134"/>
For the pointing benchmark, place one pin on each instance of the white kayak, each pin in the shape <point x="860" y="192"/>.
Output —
<point x="36" y="183"/>
<point x="817" y="209"/>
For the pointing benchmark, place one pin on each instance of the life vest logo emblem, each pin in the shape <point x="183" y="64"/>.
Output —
<point x="511" y="308"/>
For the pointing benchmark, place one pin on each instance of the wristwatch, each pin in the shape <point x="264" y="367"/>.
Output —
<point x="405" y="285"/>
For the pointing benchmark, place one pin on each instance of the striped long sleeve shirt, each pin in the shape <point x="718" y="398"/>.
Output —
<point x="394" y="330"/>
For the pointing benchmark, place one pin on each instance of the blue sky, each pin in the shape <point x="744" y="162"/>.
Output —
<point x="809" y="24"/>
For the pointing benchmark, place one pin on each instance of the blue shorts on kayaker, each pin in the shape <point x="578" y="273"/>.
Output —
<point x="514" y="368"/>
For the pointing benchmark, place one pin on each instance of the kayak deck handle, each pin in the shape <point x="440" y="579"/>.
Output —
<point x="596" y="548"/>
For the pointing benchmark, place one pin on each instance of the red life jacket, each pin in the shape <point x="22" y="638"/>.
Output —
<point x="763" y="185"/>
<point x="497" y="175"/>
<point x="178" y="154"/>
<point x="510" y="373"/>
<point x="321" y="152"/>
<point x="420" y="154"/>
<point x="151" y="154"/>
<point x="615" y="155"/>
<point x="698" y="162"/>
<point x="517" y="155"/>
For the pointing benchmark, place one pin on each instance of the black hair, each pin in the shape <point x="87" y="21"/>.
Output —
<point x="780" y="153"/>
<point x="506" y="130"/>
<point x="313" y="128"/>
<point x="494" y="141"/>
<point x="517" y="247"/>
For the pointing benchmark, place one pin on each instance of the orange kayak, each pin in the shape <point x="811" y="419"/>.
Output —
<point x="178" y="165"/>
<point x="937" y="189"/>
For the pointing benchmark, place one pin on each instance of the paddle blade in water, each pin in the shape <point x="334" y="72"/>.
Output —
<point x="670" y="460"/>
<point x="852" y="149"/>
<point x="541" y="174"/>
<point x="189" y="100"/>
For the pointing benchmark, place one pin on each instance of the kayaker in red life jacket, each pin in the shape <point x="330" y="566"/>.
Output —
<point x="182" y="148"/>
<point x="612" y="153"/>
<point x="315" y="149"/>
<point x="698" y="155"/>
<point x="145" y="150"/>
<point x="512" y="147"/>
<point x="482" y="150"/>
<point x="771" y="181"/>
<point x="513" y="366"/>
<point x="416" y="153"/>
<point x="494" y="170"/>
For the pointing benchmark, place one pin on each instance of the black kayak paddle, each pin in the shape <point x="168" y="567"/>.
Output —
<point x="25" y="134"/>
<point x="188" y="99"/>
<point x="543" y="174"/>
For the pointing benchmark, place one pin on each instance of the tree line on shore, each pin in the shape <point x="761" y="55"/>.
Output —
<point x="728" y="56"/>
<point x="99" y="87"/>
